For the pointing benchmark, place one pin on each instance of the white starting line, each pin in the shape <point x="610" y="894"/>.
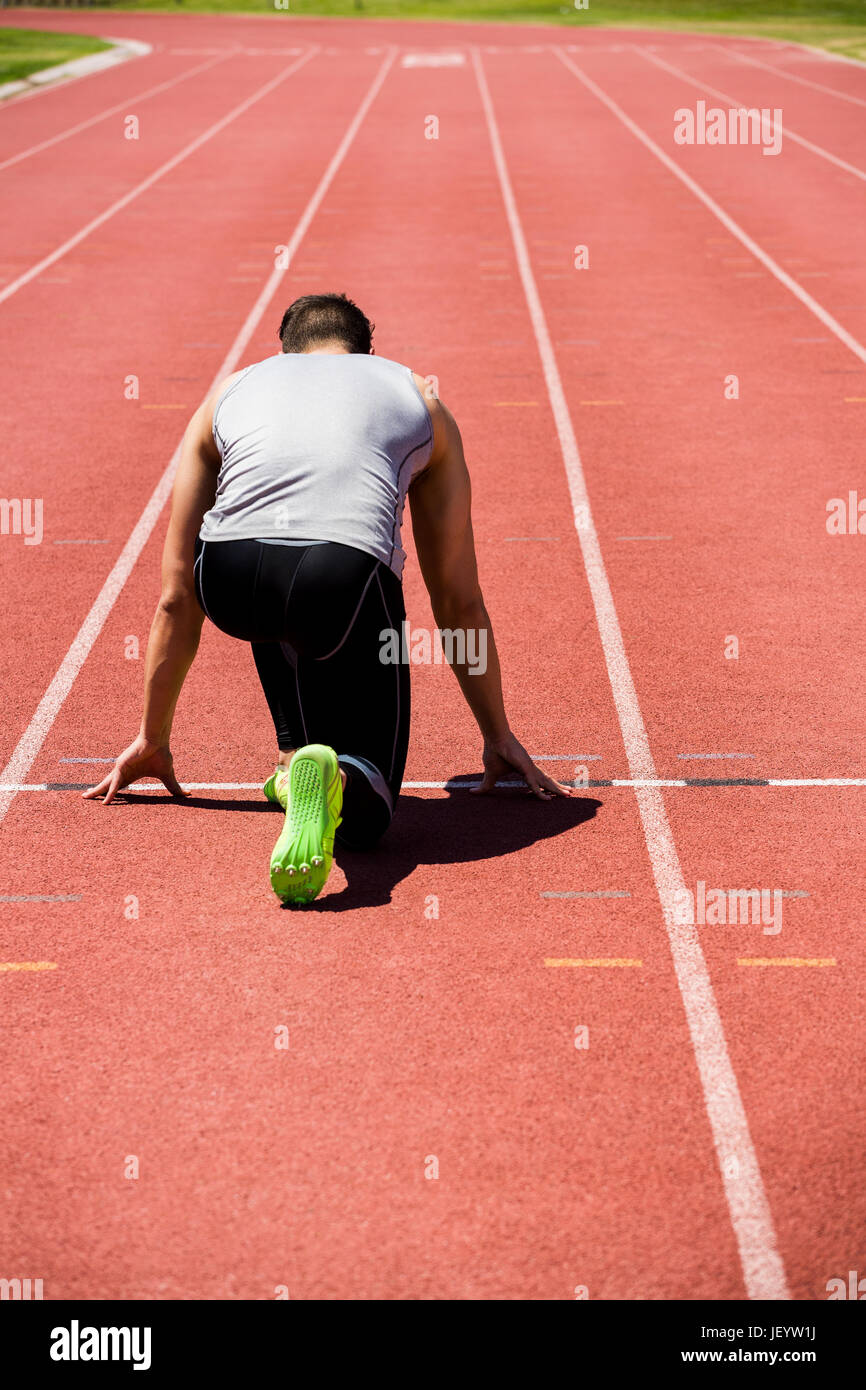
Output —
<point x="466" y="783"/>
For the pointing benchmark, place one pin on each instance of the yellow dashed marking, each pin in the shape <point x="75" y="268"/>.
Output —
<point x="614" y="962"/>
<point x="795" y="961"/>
<point x="602" y="402"/>
<point x="27" y="965"/>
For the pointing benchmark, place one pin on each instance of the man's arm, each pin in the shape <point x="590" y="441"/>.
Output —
<point x="177" y="623"/>
<point x="440" y="500"/>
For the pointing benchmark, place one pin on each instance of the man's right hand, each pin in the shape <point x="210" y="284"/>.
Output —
<point x="508" y="755"/>
<point x="141" y="759"/>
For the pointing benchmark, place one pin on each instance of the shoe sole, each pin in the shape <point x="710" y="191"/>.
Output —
<point x="302" y="857"/>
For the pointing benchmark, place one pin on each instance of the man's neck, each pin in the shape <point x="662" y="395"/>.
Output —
<point x="331" y="347"/>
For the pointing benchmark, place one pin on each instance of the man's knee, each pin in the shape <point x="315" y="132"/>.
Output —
<point x="368" y="804"/>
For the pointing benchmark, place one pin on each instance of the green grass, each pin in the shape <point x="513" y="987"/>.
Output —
<point x="23" y="51"/>
<point x="838" y="25"/>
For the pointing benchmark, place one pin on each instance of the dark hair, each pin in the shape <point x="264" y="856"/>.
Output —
<point x="314" y="318"/>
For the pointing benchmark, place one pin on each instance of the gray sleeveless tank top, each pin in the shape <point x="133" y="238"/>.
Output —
<point x="319" y="446"/>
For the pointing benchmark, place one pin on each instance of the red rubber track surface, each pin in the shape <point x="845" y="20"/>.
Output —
<point x="413" y="1036"/>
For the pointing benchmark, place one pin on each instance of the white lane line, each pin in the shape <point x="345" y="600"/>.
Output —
<point x="536" y="758"/>
<point x="816" y="781"/>
<point x="111" y="111"/>
<point x="726" y="220"/>
<point x="792" y="77"/>
<point x="31" y="741"/>
<point x="54" y="256"/>
<point x="787" y="132"/>
<point x="461" y="783"/>
<point x="743" y="1185"/>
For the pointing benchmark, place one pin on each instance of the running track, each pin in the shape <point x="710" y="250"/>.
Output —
<point x="630" y="520"/>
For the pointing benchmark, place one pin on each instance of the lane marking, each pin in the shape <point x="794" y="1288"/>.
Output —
<point x="595" y="893"/>
<point x="792" y="77"/>
<point x="85" y="542"/>
<point x="726" y="220"/>
<point x="617" y="893"/>
<point x="432" y="60"/>
<point x="611" y="962"/>
<point x="816" y="781"/>
<point x="687" y="757"/>
<point x="31" y="741"/>
<point x="787" y="132"/>
<point x="794" y="962"/>
<point x="456" y="783"/>
<point x="751" y="1219"/>
<point x="281" y="52"/>
<point x="28" y="965"/>
<point x="111" y="111"/>
<point x="40" y="898"/>
<point x="124" y="202"/>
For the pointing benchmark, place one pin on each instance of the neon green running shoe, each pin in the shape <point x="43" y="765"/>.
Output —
<point x="311" y="790"/>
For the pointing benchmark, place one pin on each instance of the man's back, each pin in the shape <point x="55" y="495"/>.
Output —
<point x="319" y="446"/>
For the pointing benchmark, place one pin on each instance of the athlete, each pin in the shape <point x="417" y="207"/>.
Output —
<point x="285" y="533"/>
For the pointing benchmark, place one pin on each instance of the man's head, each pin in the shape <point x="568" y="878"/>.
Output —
<point x="316" y="320"/>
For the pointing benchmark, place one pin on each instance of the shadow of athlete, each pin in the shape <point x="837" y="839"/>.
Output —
<point x="454" y="830"/>
<point x="285" y="532"/>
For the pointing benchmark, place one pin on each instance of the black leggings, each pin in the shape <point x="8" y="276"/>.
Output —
<point x="316" y="616"/>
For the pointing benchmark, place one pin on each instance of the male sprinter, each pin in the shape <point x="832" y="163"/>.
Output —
<point x="285" y="532"/>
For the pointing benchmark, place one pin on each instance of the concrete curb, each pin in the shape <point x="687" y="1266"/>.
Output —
<point x="123" y="50"/>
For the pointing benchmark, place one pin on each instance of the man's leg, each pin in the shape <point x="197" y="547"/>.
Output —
<point x="351" y="698"/>
<point x="276" y="665"/>
<point x="315" y="618"/>
<point x="245" y="588"/>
